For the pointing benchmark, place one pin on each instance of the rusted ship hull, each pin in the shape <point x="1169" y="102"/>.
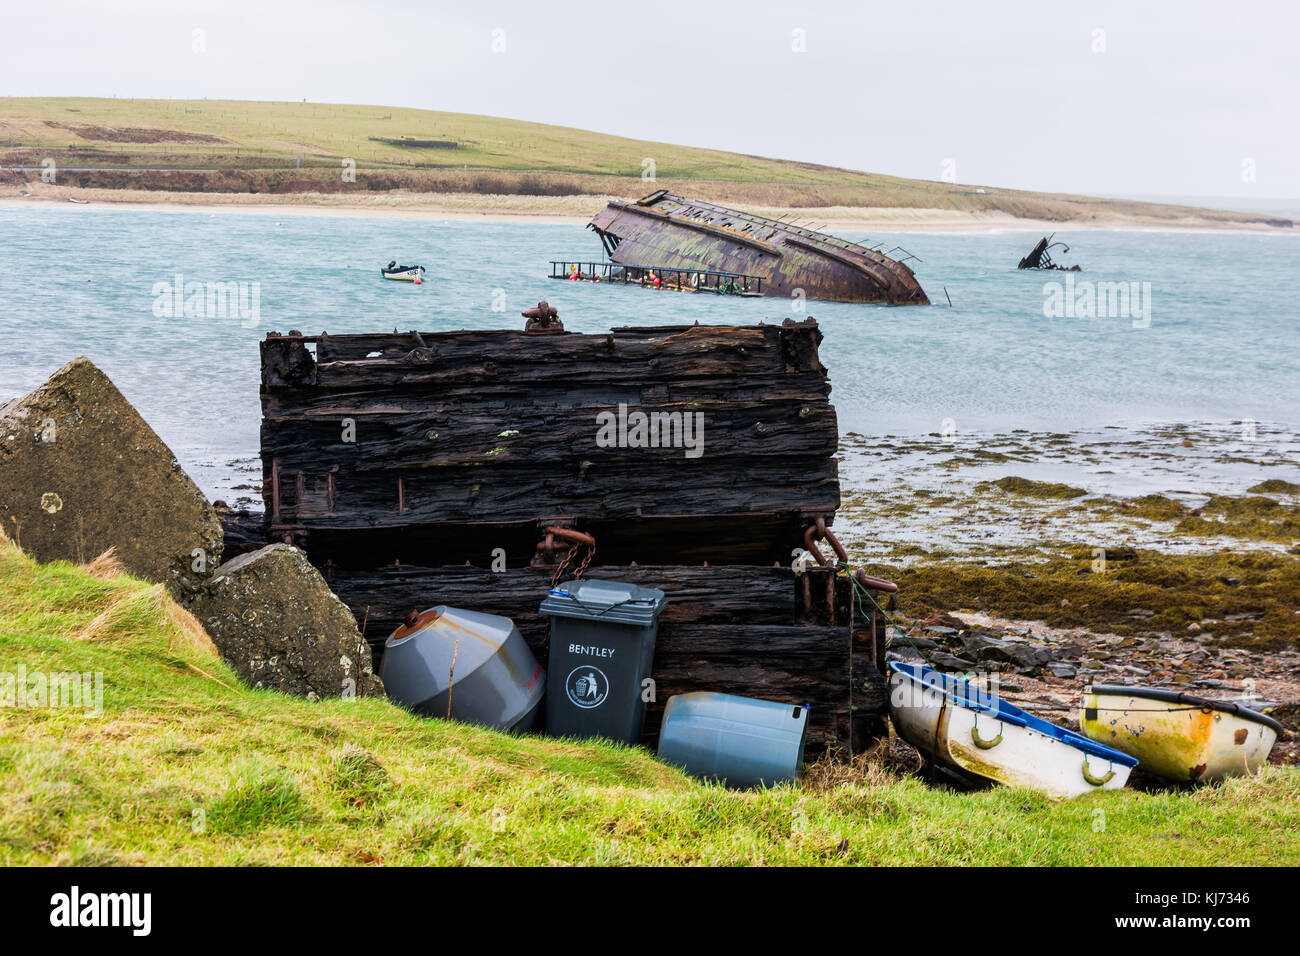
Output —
<point x="667" y="231"/>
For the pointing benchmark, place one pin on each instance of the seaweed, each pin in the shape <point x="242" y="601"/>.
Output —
<point x="1014" y="484"/>
<point x="1242" y="599"/>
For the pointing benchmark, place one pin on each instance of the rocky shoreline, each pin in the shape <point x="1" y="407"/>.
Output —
<point x="1166" y="556"/>
<point x="1044" y="669"/>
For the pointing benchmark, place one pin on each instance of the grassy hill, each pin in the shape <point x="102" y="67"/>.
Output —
<point x="185" y="765"/>
<point x="296" y="148"/>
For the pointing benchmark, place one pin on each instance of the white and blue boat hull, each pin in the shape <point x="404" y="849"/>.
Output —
<point x="962" y="727"/>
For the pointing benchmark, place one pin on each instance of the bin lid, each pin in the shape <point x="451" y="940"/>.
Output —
<point x="591" y="599"/>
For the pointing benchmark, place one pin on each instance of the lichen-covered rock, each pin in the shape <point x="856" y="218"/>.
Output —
<point x="276" y="622"/>
<point x="82" y="472"/>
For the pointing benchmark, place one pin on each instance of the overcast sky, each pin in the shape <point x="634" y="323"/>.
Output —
<point x="1175" y="98"/>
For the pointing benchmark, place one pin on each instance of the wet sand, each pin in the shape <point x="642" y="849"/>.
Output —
<point x="576" y="210"/>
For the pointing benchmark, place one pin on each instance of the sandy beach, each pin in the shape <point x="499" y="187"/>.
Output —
<point x="577" y="209"/>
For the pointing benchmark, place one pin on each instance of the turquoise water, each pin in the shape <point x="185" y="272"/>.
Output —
<point x="1222" y="343"/>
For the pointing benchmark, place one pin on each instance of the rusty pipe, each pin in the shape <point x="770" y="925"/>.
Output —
<point x="834" y="541"/>
<point x="810" y="544"/>
<point x="572" y="536"/>
<point x="874" y="584"/>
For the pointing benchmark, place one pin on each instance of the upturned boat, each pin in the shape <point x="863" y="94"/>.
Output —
<point x="1176" y="735"/>
<point x="976" y="733"/>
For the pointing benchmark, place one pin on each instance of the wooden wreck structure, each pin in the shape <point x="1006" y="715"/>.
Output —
<point x="470" y="469"/>
<point x="667" y="233"/>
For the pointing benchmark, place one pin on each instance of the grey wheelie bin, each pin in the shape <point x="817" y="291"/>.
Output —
<point x="602" y="647"/>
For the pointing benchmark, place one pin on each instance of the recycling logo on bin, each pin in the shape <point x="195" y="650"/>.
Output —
<point x="587" y="686"/>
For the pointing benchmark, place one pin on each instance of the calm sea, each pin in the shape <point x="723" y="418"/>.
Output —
<point x="1213" y="335"/>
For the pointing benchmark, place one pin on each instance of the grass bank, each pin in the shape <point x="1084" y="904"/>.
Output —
<point x="184" y="765"/>
<point x="247" y="147"/>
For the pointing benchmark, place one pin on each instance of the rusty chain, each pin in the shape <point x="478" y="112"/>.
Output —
<point x="589" y="544"/>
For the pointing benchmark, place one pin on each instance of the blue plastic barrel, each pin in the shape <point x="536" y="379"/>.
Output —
<point x="739" y="741"/>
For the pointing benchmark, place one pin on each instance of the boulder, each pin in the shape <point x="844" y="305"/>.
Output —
<point x="979" y="644"/>
<point x="277" y="623"/>
<point x="82" y="472"/>
<point x="947" y="662"/>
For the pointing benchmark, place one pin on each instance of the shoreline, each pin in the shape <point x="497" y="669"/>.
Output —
<point x="578" y="210"/>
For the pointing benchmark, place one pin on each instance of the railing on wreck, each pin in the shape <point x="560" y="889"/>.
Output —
<point x="680" y="280"/>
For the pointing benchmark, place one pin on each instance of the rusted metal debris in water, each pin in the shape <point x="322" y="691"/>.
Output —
<point x="659" y="277"/>
<point x="1040" y="256"/>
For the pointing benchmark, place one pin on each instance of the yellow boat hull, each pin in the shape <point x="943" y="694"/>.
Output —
<point x="1175" y="738"/>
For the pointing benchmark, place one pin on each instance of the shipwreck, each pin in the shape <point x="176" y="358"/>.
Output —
<point x="475" y="469"/>
<point x="1040" y="257"/>
<point x="667" y="234"/>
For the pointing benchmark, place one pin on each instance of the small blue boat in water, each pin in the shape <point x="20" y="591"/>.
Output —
<point x="971" y="730"/>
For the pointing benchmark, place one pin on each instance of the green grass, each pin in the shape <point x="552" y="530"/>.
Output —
<point x="186" y="766"/>
<point x="249" y="146"/>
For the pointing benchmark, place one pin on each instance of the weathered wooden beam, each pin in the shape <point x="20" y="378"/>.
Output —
<point x="475" y="434"/>
<point x="716" y="595"/>
<point x="758" y="539"/>
<point x="363" y="500"/>
<point x="713" y="347"/>
<point x="423" y="431"/>
<point x="681" y="363"/>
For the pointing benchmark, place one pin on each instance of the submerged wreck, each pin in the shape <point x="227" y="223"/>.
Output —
<point x="476" y="469"/>
<point x="668" y="233"/>
<point x="1040" y="256"/>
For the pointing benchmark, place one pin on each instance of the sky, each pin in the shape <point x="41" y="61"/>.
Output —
<point x="1135" y="98"/>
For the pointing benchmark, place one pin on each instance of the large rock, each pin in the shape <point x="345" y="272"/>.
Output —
<point x="82" y="472"/>
<point x="277" y="623"/>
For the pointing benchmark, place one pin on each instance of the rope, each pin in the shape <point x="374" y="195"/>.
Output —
<point x="860" y="591"/>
